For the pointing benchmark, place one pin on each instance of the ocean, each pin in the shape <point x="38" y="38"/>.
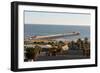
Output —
<point x="40" y="29"/>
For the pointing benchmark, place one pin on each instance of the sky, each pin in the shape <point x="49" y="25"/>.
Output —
<point x="40" y="17"/>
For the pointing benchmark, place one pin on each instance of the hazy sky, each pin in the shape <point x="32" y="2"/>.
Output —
<point x="33" y="17"/>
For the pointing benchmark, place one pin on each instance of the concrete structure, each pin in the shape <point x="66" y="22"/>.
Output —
<point x="54" y="36"/>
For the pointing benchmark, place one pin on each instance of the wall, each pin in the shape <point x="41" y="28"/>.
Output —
<point x="5" y="17"/>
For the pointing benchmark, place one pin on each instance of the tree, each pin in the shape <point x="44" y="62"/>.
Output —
<point x="36" y="51"/>
<point x="28" y="53"/>
<point x="79" y="43"/>
<point x="59" y="48"/>
<point x="32" y="53"/>
<point x="72" y="44"/>
<point x="86" y="43"/>
<point x="61" y="43"/>
<point x="52" y="51"/>
<point x="86" y="49"/>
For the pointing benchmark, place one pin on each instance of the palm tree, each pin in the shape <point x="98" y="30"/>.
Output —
<point x="71" y="45"/>
<point x="86" y="48"/>
<point x="28" y="53"/>
<point x="86" y="43"/>
<point x="52" y="51"/>
<point x="79" y="43"/>
<point x="61" y="43"/>
<point x="32" y="53"/>
<point x="36" y="51"/>
<point x="59" y="48"/>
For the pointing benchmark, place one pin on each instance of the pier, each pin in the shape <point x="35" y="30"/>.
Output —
<point x="55" y="36"/>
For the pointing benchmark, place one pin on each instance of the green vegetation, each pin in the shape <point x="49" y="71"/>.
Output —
<point x="81" y="45"/>
<point x="56" y="48"/>
<point x="32" y="53"/>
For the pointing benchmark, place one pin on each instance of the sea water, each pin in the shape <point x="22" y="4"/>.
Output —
<point x="41" y="30"/>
